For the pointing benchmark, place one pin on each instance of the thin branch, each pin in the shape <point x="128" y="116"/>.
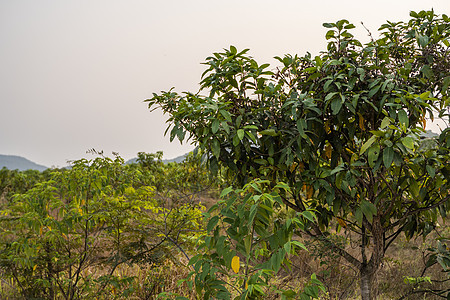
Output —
<point x="178" y="246"/>
<point x="392" y="237"/>
<point x="412" y="212"/>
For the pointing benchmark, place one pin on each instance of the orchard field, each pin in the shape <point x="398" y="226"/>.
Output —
<point x="311" y="180"/>
<point x="106" y="230"/>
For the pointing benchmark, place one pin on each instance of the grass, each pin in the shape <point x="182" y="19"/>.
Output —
<point x="405" y="258"/>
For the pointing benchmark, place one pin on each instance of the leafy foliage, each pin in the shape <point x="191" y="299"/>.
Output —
<point x="239" y="228"/>
<point x="98" y="215"/>
<point x="342" y="129"/>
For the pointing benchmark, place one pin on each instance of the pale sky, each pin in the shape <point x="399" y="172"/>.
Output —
<point x="74" y="73"/>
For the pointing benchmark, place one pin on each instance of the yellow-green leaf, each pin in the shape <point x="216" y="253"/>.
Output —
<point x="367" y="144"/>
<point x="386" y="121"/>
<point x="240" y="134"/>
<point x="408" y="142"/>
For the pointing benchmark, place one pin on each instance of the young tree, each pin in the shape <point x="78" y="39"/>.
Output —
<point x="67" y="237"/>
<point x="342" y="129"/>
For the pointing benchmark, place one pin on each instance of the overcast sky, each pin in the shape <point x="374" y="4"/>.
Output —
<point x="74" y="74"/>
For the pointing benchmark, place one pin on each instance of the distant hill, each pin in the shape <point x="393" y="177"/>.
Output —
<point x="429" y="134"/>
<point x="13" y="162"/>
<point x="176" y="159"/>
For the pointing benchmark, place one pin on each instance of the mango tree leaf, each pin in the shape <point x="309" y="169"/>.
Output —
<point x="225" y="114"/>
<point x="427" y="71"/>
<point x="215" y="126"/>
<point x="372" y="154"/>
<point x="309" y="215"/>
<point x="336" y="105"/>
<point x="386" y="121"/>
<point x="367" y="144"/>
<point x="226" y="191"/>
<point x="414" y="187"/>
<point x="408" y="142"/>
<point x="445" y="85"/>
<point x="251" y="136"/>
<point x="431" y="171"/>
<point x="240" y="134"/>
<point x="301" y="125"/>
<point x="368" y="209"/>
<point x="388" y="156"/>
<point x="270" y="132"/>
<point x="215" y="147"/>
<point x="403" y="117"/>
<point x="212" y="223"/>
<point x="358" y="215"/>
<point x="373" y="91"/>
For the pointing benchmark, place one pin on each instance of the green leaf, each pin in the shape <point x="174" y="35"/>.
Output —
<point x="287" y="247"/>
<point x="225" y="114"/>
<point x="445" y="85"/>
<point x="367" y="144"/>
<point x="215" y="125"/>
<point x="337" y="169"/>
<point x="240" y="134"/>
<point x="226" y="191"/>
<point x="260" y="161"/>
<point x="336" y="105"/>
<point x="270" y="132"/>
<point x="282" y="185"/>
<point x="388" y="156"/>
<point x="423" y="40"/>
<point x="329" y="35"/>
<point x="358" y="215"/>
<point x="301" y="125"/>
<point x="386" y="122"/>
<point x="236" y="140"/>
<point x="300" y="245"/>
<point x="212" y="223"/>
<point x="413" y="187"/>
<point x="427" y="71"/>
<point x="309" y="215"/>
<point x="251" y="136"/>
<point x="431" y="171"/>
<point x="373" y="91"/>
<point x="408" y="142"/>
<point x="368" y="209"/>
<point x="329" y="96"/>
<point x="372" y="154"/>
<point x="225" y="126"/>
<point x="403" y="117"/>
<point x="216" y="148"/>
<point x="248" y="244"/>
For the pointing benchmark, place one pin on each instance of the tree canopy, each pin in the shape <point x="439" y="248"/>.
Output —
<point x="341" y="129"/>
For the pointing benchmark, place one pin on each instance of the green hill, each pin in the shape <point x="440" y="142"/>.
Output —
<point x="13" y="162"/>
<point x="176" y="159"/>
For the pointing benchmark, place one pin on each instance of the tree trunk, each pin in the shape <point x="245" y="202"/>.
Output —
<point x="366" y="283"/>
<point x="368" y="269"/>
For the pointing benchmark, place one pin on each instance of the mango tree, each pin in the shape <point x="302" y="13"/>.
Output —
<point x="341" y="129"/>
